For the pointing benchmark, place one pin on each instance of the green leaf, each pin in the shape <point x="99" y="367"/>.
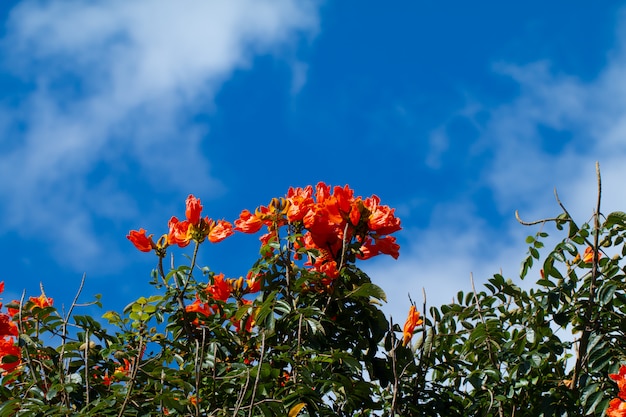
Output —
<point x="368" y="290"/>
<point x="10" y="408"/>
<point x="615" y="218"/>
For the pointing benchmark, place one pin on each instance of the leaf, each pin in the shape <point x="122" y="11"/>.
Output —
<point x="369" y="290"/>
<point x="617" y="217"/>
<point x="10" y="408"/>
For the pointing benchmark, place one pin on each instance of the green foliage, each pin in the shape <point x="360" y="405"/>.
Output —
<point x="301" y="343"/>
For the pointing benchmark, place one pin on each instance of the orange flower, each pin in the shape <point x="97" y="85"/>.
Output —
<point x="200" y="308"/>
<point x="382" y="219"/>
<point x="588" y="255"/>
<point x="248" y="222"/>
<point x="388" y="246"/>
<point x="412" y="321"/>
<point x="617" y="408"/>
<point x="106" y="379"/>
<point x="220" y="289"/>
<point x="13" y="311"/>
<point x="122" y="370"/>
<point x="220" y="231"/>
<point x="178" y="234"/>
<point x="42" y="301"/>
<point x="10" y="354"/>
<point x="249" y="320"/>
<point x="254" y="282"/>
<point x="140" y="240"/>
<point x="193" y="400"/>
<point x="7" y="327"/>
<point x="620" y="379"/>
<point x="193" y="209"/>
<point x="300" y="201"/>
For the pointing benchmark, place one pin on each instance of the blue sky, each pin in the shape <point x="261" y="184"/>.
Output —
<point x="457" y="114"/>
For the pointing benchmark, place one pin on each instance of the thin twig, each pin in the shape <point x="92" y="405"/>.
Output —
<point x="133" y="376"/>
<point x="525" y="223"/>
<point x="258" y="374"/>
<point x="589" y="312"/>
<point x="489" y="350"/>
<point x="87" y="368"/>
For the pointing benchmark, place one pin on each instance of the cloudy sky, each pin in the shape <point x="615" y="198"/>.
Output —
<point x="457" y="114"/>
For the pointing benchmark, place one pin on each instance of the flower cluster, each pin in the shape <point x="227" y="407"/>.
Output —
<point x="10" y="353"/>
<point x="221" y="290"/>
<point x="330" y="221"/>
<point x="617" y="406"/>
<point x="10" y="356"/>
<point x="181" y="232"/>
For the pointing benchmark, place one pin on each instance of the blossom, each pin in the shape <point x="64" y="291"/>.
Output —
<point x="248" y="222"/>
<point x="412" y="321"/>
<point x="122" y="370"/>
<point x="220" y="289"/>
<point x="620" y="378"/>
<point x="617" y="408"/>
<point x="388" y="246"/>
<point x="382" y="219"/>
<point x="193" y="209"/>
<point x="254" y="282"/>
<point x="588" y="255"/>
<point x="300" y="202"/>
<point x="10" y="355"/>
<point x="178" y="232"/>
<point x="42" y="301"/>
<point x="199" y="307"/>
<point x="140" y="240"/>
<point x="7" y="326"/>
<point x="249" y="320"/>
<point x="13" y="311"/>
<point x="220" y="231"/>
<point x="106" y="379"/>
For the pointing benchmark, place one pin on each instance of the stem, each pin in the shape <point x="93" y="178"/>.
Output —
<point x="258" y="375"/>
<point x="395" y="345"/>
<point x="131" y="382"/>
<point x="590" y="322"/>
<point x="492" y="359"/>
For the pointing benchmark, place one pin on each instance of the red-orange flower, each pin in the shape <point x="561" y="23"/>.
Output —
<point x="122" y="370"/>
<point x="10" y="355"/>
<point x="617" y="408"/>
<point x="220" y="231"/>
<point x="199" y="307"/>
<point x="140" y="240"/>
<point x="220" y="289"/>
<point x="300" y="201"/>
<point x="7" y="326"/>
<point x="388" y="246"/>
<point x="42" y="301"/>
<point x="382" y="219"/>
<point x="588" y="255"/>
<point x="254" y="282"/>
<point x="412" y="321"/>
<point x="249" y="320"/>
<point x="106" y="379"/>
<point x="178" y="234"/>
<point x="13" y="311"/>
<point x="248" y="222"/>
<point x="193" y="209"/>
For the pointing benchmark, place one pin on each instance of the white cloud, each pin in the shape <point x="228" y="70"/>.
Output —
<point x="109" y="85"/>
<point x="521" y="172"/>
